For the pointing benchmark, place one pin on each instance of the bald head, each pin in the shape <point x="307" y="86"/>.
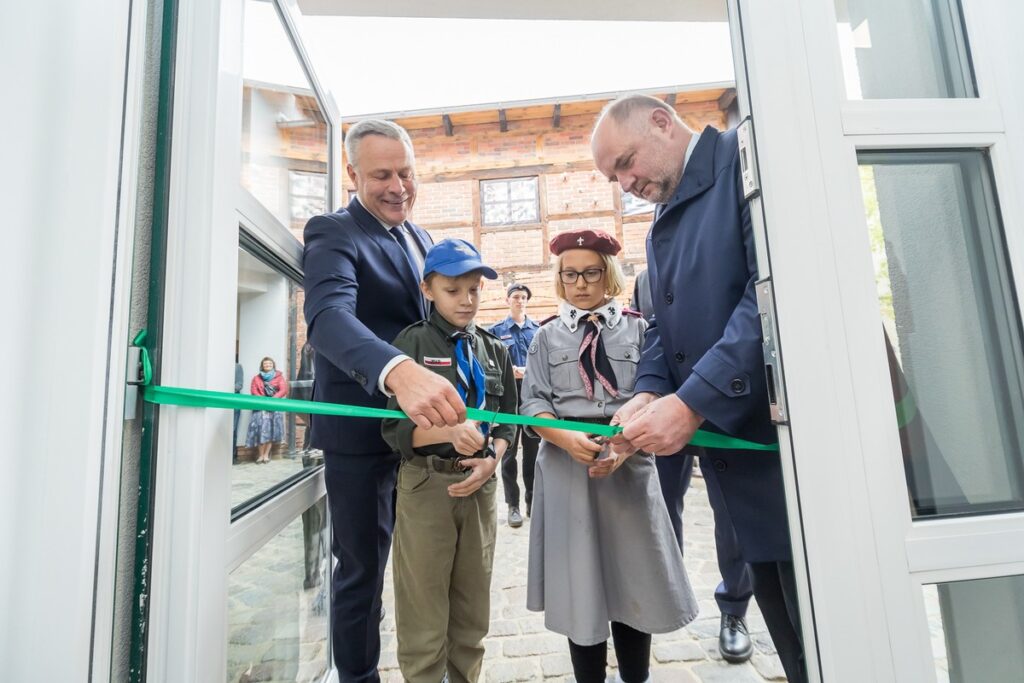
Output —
<point x="633" y="110"/>
<point x="640" y="142"/>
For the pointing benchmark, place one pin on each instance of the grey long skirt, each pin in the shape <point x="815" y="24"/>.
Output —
<point x="603" y="550"/>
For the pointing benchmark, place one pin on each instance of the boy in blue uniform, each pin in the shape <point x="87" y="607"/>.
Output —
<point x="445" y="519"/>
<point x="516" y="332"/>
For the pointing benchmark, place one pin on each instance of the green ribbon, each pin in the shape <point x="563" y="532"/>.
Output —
<point x="203" y="398"/>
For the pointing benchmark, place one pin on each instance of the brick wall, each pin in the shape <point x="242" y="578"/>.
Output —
<point x="573" y="194"/>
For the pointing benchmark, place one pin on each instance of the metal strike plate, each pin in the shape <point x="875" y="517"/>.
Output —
<point x="772" y="362"/>
<point x="748" y="160"/>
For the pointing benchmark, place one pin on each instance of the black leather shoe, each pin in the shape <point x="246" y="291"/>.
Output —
<point x="515" y="520"/>
<point x="734" y="641"/>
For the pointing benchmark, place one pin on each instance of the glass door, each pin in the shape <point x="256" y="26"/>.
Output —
<point x="237" y="583"/>
<point x="889" y="145"/>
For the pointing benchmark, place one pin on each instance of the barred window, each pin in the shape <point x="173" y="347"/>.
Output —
<point x="510" y="201"/>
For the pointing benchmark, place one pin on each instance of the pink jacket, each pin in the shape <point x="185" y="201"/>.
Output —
<point x="279" y="383"/>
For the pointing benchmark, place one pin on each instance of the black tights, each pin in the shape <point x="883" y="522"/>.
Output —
<point x="632" y="649"/>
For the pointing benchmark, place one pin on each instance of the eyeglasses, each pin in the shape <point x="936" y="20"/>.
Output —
<point x="590" y="275"/>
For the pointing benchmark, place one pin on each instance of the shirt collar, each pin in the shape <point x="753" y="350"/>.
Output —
<point x="383" y="224"/>
<point x="438" y="321"/>
<point x="571" y="316"/>
<point x="690" y="147"/>
<point x="526" y="323"/>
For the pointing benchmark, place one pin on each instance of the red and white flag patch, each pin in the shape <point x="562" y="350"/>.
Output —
<point x="437" y="362"/>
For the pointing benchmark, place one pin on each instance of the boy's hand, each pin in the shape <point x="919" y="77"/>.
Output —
<point x="579" y="446"/>
<point x="467" y="438"/>
<point x="483" y="469"/>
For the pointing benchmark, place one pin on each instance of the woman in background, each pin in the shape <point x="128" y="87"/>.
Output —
<point x="266" y="427"/>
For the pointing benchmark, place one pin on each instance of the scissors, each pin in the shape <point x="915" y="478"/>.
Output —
<point x="483" y="453"/>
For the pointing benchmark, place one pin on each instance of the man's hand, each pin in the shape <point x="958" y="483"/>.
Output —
<point x="634" y="406"/>
<point x="427" y="398"/>
<point x="664" y="427"/>
<point x="467" y="438"/>
<point x="483" y="469"/>
<point x="518" y="371"/>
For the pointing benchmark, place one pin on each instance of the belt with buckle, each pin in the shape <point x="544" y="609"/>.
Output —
<point x="438" y="463"/>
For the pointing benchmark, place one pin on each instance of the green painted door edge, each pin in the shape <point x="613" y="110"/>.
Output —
<point x="154" y="323"/>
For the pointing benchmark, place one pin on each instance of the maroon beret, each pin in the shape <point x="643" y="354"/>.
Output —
<point x="595" y="240"/>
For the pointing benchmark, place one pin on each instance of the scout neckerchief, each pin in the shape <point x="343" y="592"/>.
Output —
<point x="593" y="363"/>
<point x="470" y="373"/>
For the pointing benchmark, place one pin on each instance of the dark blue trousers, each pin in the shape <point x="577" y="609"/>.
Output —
<point x="361" y="496"/>
<point x="674" y="472"/>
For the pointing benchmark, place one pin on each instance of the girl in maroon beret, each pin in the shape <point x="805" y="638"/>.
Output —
<point x="603" y="558"/>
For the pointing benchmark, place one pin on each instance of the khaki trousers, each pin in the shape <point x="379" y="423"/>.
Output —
<point x="443" y="556"/>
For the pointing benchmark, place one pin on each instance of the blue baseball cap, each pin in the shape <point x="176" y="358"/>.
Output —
<point x="453" y="258"/>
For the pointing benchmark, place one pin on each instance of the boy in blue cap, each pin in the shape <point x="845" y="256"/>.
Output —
<point x="445" y="515"/>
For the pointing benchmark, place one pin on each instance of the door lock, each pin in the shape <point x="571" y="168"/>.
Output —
<point x="772" y="361"/>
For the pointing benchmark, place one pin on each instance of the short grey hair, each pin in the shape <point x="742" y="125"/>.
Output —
<point x="622" y="109"/>
<point x="380" y="127"/>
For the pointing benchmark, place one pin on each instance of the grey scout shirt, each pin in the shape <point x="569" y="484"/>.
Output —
<point x="429" y="343"/>
<point x="552" y="383"/>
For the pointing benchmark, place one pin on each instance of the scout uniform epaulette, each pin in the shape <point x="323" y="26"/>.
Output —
<point x="545" y="321"/>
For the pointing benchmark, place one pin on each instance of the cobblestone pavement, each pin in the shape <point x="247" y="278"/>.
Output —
<point x="519" y="648"/>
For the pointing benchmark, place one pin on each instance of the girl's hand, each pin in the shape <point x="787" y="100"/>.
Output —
<point x="579" y="446"/>
<point x="467" y="438"/>
<point x="483" y="469"/>
<point x="607" y="465"/>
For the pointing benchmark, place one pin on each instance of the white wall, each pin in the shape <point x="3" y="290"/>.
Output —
<point x="63" y="66"/>
<point x="262" y="326"/>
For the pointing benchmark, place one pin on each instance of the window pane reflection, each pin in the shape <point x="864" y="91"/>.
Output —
<point x="284" y="132"/>
<point x="952" y="328"/>
<point x="977" y="629"/>
<point x="270" y="326"/>
<point x="903" y="49"/>
<point x="278" y="606"/>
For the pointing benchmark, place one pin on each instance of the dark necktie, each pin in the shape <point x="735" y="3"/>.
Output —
<point x="594" y="365"/>
<point x="399" y="234"/>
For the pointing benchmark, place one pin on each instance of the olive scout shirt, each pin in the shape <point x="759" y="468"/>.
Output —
<point x="430" y="343"/>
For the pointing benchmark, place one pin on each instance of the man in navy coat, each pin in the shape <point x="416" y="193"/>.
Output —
<point x="674" y="473"/>
<point x="362" y="268"/>
<point x="702" y="364"/>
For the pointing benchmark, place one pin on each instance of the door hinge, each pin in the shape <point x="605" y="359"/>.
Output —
<point x="134" y="378"/>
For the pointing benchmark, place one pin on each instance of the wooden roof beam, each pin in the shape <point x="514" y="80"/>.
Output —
<point x="502" y="121"/>
<point x="448" y="129"/>
<point x="726" y="99"/>
<point x="556" y="116"/>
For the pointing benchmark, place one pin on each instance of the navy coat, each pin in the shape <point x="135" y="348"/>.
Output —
<point x="360" y="293"/>
<point x="704" y="343"/>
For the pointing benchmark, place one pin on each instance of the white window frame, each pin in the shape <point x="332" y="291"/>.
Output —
<point x="485" y="226"/>
<point x="867" y="559"/>
<point x="195" y="545"/>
